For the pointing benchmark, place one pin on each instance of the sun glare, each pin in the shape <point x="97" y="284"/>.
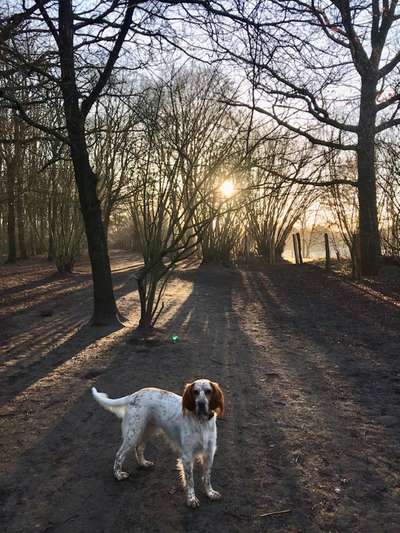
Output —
<point x="227" y="188"/>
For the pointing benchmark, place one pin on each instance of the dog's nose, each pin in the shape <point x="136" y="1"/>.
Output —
<point x="201" y="406"/>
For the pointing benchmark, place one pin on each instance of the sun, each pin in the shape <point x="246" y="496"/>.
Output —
<point x="227" y="188"/>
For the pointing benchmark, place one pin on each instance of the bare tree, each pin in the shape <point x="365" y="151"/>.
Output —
<point x="326" y="70"/>
<point x="188" y="142"/>
<point x="112" y="145"/>
<point x="74" y="49"/>
<point x="11" y="152"/>
<point x="342" y="203"/>
<point x="277" y="198"/>
<point x="67" y="230"/>
<point x="163" y="222"/>
<point x="58" y="60"/>
<point x="222" y="240"/>
<point x="389" y="184"/>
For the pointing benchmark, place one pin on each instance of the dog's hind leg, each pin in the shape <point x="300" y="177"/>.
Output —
<point x="142" y="461"/>
<point x="132" y="430"/>
<point x="119" y="460"/>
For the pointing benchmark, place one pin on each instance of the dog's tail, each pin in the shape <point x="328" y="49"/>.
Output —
<point x="117" y="406"/>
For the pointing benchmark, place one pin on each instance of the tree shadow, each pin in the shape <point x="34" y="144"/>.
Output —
<point x="46" y="291"/>
<point x="30" y="285"/>
<point x="284" y="443"/>
<point x="346" y="377"/>
<point x="64" y="480"/>
<point x="359" y="335"/>
<point x="49" y="332"/>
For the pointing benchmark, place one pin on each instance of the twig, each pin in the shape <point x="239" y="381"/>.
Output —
<point x="275" y="513"/>
<point x="224" y="363"/>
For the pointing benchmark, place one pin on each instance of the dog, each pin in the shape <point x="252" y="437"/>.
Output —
<point x="188" y="422"/>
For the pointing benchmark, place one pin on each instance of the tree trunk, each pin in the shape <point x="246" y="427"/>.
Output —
<point x="279" y="252"/>
<point x="51" y="226"/>
<point x="20" y="211"/>
<point x="145" y="322"/>
<point x="12" y="238"/>
<point x="368" y="212"/>
<point x="51" y="220"/>
<point x="105" y="308"/>
<point x="295" y="248"/>
<point x="299" y="248"/>
<point x="327" y="252"/>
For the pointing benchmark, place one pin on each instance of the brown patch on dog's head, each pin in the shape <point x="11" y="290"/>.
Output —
<point x="188" y="401"/>
<point x="217" y="399"/>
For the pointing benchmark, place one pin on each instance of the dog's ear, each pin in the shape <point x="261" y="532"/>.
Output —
<point x="188" y="398"/>
<point x="217" y="399"/>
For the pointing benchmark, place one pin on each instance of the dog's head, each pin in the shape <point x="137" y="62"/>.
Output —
<point x="203" y="397"/>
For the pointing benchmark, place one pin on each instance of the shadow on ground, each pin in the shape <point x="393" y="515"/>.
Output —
<point x="309" y="373"/>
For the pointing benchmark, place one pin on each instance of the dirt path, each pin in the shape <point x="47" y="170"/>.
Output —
<point x="311" y="372"/>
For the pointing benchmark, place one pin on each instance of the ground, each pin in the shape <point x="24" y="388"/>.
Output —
<point x="310" y="367"/>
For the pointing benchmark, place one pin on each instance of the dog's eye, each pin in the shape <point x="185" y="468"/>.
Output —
<point x="196" y="392"/>
<point x="208" y="392"/>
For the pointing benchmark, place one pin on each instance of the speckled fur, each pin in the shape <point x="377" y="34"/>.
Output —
<point x="192" y="433"/>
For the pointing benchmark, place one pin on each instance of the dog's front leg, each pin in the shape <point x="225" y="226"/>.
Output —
<point x="191" y="500"/>
<point x="208" y="459"/>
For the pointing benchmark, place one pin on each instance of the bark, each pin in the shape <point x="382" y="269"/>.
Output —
<point x="66" y="268"/>
<point x="279" y="252"/>
<point x="11" y="226"/>
<point x="148" y="284"/>
<point x="271" y="251"/>
<point x="14" y="190"/>
<point x="146" y="316"/>
<point x="51" y="222"/>
<point x="368" y="213"/>
<point x="21" y="225"/>
<point x="20" y="207"/>
<point x="105" y="309"/>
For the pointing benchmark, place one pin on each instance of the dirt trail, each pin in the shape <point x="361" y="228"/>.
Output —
<point x="310" y="368"/>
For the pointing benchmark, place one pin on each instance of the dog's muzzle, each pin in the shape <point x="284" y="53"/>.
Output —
<point x="202" y="408"/>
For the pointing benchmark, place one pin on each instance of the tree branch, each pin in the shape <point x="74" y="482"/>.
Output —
<point x="112" y="58"/>
<point x="49" y="22"/>
<point x="19" y="107"/>
<point x="298" y="131"/>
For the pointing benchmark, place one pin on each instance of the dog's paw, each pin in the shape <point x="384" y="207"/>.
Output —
<point x="121" y="475"/>
<point x="192" y="502"/>
<point x="213" y="494"/>
<point x="146" y="464"/>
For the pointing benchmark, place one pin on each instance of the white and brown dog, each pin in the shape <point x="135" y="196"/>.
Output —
<point x="188" y="421"/>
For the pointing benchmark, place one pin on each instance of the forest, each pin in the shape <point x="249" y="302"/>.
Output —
<point x="201" y="189"/>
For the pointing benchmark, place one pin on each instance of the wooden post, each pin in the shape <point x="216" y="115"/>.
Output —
<point x="327" y="252"/>
<point x="299" y="248"/>
<point x="296" y="253"/>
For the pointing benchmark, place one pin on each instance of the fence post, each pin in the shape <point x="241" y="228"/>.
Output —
<point x="327" y="252"/>
<point x="296" y="254"/>
<point x="299" y="248"/>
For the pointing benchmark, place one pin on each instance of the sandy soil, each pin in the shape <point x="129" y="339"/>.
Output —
<point x="311" y="372"/>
